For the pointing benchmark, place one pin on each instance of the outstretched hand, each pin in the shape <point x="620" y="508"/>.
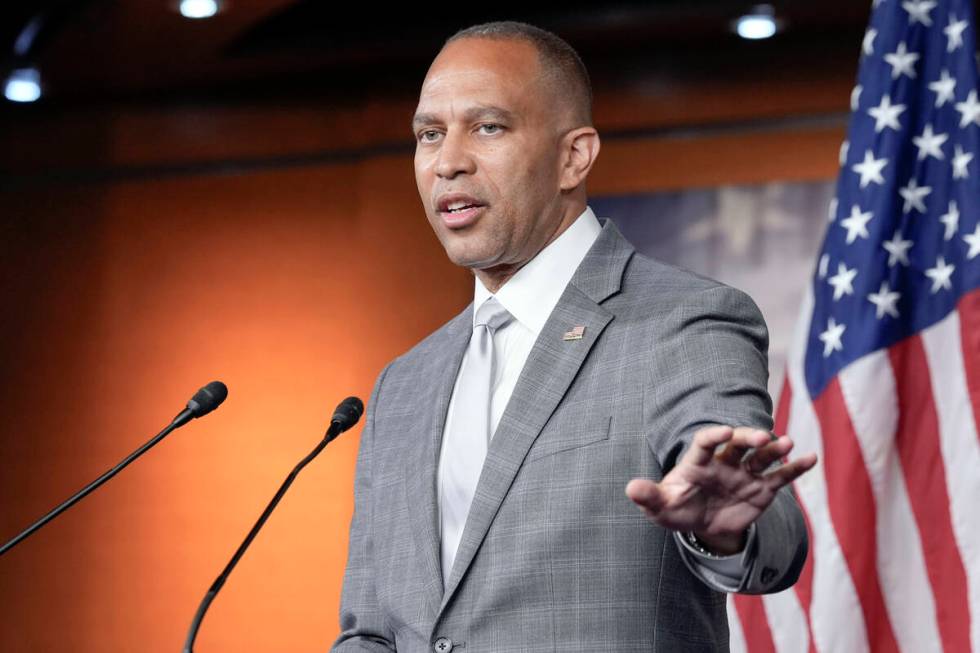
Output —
<point x="717" y="492"/>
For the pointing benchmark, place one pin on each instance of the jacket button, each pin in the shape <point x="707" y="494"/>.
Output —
<point x="443" y="645"/>
<point x="768" y="575"/>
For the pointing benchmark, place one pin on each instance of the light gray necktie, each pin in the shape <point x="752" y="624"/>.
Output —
<point x="469" y="432"/>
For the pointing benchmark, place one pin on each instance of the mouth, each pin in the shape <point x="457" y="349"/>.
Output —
<point x="458" y="210"/>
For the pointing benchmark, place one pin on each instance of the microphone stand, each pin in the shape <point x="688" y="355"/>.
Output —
<point x="185" y="416"/>
<point x="336" y="428"/>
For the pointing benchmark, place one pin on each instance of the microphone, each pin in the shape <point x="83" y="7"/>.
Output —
<point x="203" y="402"/>
<point x="347" y="414"/>
<point x="344" y="417"/>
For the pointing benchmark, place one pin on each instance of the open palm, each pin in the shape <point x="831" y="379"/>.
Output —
<point x="717" y="491"/>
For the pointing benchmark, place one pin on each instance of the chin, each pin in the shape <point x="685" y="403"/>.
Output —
<point x="466" y="257"/>
<point x="463" y="260"/>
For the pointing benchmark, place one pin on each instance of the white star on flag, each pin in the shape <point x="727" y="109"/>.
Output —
<point x="973" y="240"/>
<point x="831" y="338"/>
<point x="832" y="209"/>
<point x="856" y="97"/>
<point x="870" y="169"/>
<point x="902" y="61"/>
<point x="824" y="262"/>
<point x="856" y="224"/>
<point x="919" y="11"/>
<point x="940" y="275"/>
<point x="884" y="301"/>
<point x="913" y="194"/>
<point x="886" y="114"/>
<point x="961" y="160"/>
<point x="969" y="110"/>
<point x="951" y="219"/>
<point x="943" y="88"/>
<point x="954" y="33"/>
<point x="929" y="144"/>
<point x="897" y="249"/>
<point x="842" y="154"/>
<point x="868" y="45"/>
<point x="843" y="281"/>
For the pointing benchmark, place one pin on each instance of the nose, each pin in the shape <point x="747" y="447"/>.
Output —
<point x="454" y="156"/>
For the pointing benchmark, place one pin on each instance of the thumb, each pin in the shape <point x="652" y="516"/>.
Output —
<point x="647" y="494"/>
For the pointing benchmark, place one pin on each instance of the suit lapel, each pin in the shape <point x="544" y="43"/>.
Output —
<point x="422" y="456"/>
<point x="550" y="369"/>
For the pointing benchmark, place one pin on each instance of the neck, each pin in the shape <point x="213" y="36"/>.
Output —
<point x="493" y="278"/>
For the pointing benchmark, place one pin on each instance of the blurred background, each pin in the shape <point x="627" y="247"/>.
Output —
<point x="232" y="197"/>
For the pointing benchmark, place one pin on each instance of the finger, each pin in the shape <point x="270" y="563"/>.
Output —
<point x="760" y="459"/>
<point x="792" y="470"/>
<point x="705" y="442"/>
<point x="646" y="494"/>
<point x="743" y="440"/>
<point x="751" y="438"/>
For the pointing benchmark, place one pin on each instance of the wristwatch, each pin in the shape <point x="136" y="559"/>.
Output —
<point x="701" y="548"/>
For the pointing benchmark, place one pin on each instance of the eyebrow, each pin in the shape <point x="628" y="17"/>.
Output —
<point x="470" y="115"/>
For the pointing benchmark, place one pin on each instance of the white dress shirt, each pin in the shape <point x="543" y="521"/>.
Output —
<point x="530" y="296"/>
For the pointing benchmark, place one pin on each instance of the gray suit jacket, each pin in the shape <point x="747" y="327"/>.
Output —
<point x="554" y="557"/>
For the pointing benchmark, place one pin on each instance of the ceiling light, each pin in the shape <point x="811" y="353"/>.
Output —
<point x="198" y="8"/>
<point x="23" y="85"/>
<point x="760" y="23"/>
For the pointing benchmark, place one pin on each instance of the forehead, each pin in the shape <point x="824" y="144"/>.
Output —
<point x="501" y="72"/>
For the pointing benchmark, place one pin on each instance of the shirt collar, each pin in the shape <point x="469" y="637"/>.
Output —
<point x="533" y="292"/>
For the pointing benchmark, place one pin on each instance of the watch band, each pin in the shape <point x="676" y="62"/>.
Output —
<point x="700" y="547"/>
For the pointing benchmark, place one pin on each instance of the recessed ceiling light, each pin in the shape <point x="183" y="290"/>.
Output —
<point x="23" y="85"/>
<point x="198" y="8"/>
<point x="759" y="23"/>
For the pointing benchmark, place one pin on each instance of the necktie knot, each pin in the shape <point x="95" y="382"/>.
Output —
<point x="492" y="315"/>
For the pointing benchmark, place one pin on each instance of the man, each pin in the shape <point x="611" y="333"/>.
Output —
<point x="555" y="469"/>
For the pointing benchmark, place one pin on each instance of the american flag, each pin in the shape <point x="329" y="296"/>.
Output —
<point x="883" y="377"/>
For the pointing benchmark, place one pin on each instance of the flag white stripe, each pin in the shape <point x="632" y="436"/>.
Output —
<point x="835" y="614"/>
<point x="787" y="621"/>
<point x="960" y="449"/>
<point x="868" y="386"/>
<point x="736" y="638"/>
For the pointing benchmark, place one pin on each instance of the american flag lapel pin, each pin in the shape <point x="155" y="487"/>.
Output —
<point x="575" y="333"/>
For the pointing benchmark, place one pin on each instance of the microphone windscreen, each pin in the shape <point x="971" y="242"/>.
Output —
<point x="207" y="398"/>
<point x="348" y="412"/>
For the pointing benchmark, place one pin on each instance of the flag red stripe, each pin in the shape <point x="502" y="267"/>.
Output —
<point x="804" y="586"/>
<point x="917" y="440"/>
<point x="750" y="609"/>
<point x="783" y="408"/>
<point x="849" y="494"/>
<point x="969" y="313"/>
<point x="755" y="626"/>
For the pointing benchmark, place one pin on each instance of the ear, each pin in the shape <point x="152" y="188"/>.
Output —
<point x="580" y="148"/>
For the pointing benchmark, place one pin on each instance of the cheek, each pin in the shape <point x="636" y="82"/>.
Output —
<point x="422" y="178"/>
<point x="509" y="174"/>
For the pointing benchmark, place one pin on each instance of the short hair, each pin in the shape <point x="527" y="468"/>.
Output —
<point x="559" y="60"/>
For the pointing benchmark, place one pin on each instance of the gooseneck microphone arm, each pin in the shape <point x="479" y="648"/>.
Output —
<point x="346" y="415"/>
<point x="203" y="402"/>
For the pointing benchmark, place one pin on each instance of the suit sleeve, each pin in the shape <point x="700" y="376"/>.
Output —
<point x="715" y="371"/>
<point x="362" y="623"/>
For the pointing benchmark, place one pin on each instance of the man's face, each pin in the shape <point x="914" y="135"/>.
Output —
<point x="487" y="155"/>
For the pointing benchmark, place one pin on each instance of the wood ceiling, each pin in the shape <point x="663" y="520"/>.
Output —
<point x="106" y="51"/>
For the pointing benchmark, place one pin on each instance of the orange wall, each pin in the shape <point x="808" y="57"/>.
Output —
<point x="293" y="285"/>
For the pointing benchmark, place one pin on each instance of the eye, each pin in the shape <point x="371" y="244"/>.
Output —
<point x="491" y="128"/>
<point x="428" y="136"/>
